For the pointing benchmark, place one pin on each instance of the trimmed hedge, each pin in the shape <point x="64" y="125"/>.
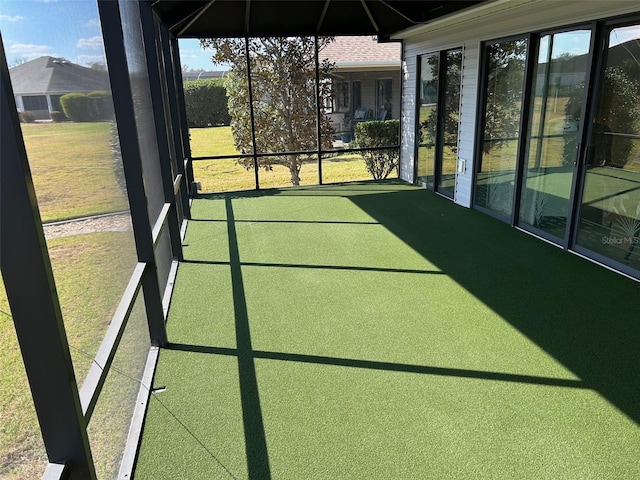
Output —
<point x="380" y="163"/>
<point x="206" y="102"/>
<point x="89" y="107"/>
<point x="77" y="107"/>
<point x="102" y="104"/>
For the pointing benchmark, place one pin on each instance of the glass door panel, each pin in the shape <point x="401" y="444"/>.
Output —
<point x="556" y="105"/>
<point x="609" y="221"/>
<point x="428" y="118"/>
<point x="451" y="119"/>
<point x="504" y="85"/>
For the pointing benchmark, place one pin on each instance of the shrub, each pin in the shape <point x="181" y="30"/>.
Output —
<point x="78" y="107"/>
<point x="57" y="116"/>
<point x="27" y="117"/>
<point x="206" y="102"/>
<point x="380" y="163"/>
<point x="102" y="105"/>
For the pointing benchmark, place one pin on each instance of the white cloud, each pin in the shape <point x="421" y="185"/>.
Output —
<point x="94" y="22"/>
<point x="93" y="43"/>
<point x="10" y="18"/>
<point x="88" y="59"/>
<point x="30" y="51"/>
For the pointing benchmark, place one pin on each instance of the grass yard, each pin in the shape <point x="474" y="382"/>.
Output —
<point x="379" y="331"/>
<point x="72" y="169"/>
<point x="91" y="272"/>
<point x="228" y="175"/>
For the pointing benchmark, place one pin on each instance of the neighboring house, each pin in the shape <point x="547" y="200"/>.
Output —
<point x="39" y="84"/>
<point x="366" y="80"/>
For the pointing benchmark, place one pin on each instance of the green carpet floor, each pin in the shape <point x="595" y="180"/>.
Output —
<point x="378" y="331"/>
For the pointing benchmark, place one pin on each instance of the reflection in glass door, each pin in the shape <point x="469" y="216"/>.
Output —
<point x="503" y="96"/>
<point x="438" y="120"/>
<point x="609" y="219"/>
<point x="427" y="117"/>
<point x="448" y="150"/>
<point x="555" y="114"/>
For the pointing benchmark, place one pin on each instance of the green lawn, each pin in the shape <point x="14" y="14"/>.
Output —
<point x="71" y="166"/>
<point x="73" y="174"/>
<point x="228" y="175"/>
<point x="91" y="272"/>
<point x="72" y="170"/>
<point x="377" y="330"/>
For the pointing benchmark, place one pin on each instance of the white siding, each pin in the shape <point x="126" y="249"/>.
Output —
<point x="467" y="127"/>
<point x="408" y="122"/>
<point x="468" y="29"/>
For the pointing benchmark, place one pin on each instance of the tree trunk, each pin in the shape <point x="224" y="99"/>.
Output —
<point x="295" y="173"/>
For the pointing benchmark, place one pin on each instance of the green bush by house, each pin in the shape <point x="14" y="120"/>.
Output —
<point x="89" y="107"/>
<point x="206" y="102"/>
<point x="102" y="104"/>
<point x="27" y="117"/>
<point x="57" y="116"/>
<point x="380" y="163"/>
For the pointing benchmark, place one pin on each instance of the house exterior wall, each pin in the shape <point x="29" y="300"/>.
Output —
<point x="499" y="19"/>
<point x="368" y="84"/>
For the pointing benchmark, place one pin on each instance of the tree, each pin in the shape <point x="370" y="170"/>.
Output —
<point x="618" y="111"/>
<point x="451" y="101"/>
<point x="284" y="100"/>
<point x="505" y="82"/>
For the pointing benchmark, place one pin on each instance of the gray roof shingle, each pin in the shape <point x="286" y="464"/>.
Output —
<point x="46" y="75"/>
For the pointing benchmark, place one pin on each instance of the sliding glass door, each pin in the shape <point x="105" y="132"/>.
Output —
<point x="447" y="157"/>
<point x="555" y="113"/>
<point x="438" y="120"/>
<point x="427" y="118"/>
<point x="573" y="98"/>
<point x="500" y="136"/>
<point x="609" y="216"/>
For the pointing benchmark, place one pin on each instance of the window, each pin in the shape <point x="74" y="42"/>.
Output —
<point x="35" y="103"/>
<point x="438" y="119"/>
<point x="342" y="96"/>
<point x="347" y="96"/>
<point x="503" y="90"/>
<point x="557" y="93"/>
<point x="384" y="98"/>
<point x="558" y="151"/>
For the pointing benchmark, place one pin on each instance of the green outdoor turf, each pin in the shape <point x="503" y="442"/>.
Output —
<point x="379" y="331"/>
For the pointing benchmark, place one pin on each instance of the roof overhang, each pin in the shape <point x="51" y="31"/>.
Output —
<point x="366" y="66"/>
<point x="270" y="18"/>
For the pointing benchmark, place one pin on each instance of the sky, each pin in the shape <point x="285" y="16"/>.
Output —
<point x="192" y="55"/>
<point x="69" y="29"/>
